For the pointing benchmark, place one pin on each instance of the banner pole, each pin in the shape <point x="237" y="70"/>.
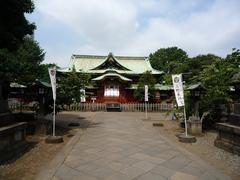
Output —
<point x="185" y="120"/>
<point x="146" y="110"/>
<point x="146" y="100"/>
<point x="53" y="117"/>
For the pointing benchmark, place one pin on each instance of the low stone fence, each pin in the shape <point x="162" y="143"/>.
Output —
<point x="228" y="137"/>
<point x="11" y="137"/>
<point x="126" y="107"/>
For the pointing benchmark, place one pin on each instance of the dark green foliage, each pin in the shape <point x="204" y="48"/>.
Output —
<point x="167" y="59"/>
<point x="22" y="65"/>
<point x="7" y="60"/>
<point x="216" y="78"/>
<point x="146" y="79"/>
<point x="13" y="28"/>
<point x="13" y="24"/>
<point x="215" y="74"/>
<point x="70" y="85"/>
<point x="43" y="74"/>
<point x="170" y="60"/>
<point x="30" y="56"/>
<point x="234" y="59"/>
<point x="20" y="55"/>
<point x="194" y="66"/>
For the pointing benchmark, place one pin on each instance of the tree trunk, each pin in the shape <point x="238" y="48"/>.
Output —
<point x="3" y="97"/>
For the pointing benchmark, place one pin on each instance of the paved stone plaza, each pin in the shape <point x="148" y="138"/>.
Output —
<point x="122" y="146"/>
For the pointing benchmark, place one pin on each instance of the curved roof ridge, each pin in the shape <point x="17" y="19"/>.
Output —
<point x="112" y="74"/>
<point x="102" y="56"/>
<point x="88" y="56"/>
<point x="108" y="58"/>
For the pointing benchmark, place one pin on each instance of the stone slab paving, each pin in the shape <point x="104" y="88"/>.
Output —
<point x="121" y="146"/>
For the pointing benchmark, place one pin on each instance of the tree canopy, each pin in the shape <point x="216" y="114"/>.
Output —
<point x="13" y="24"/>
<point x="22" y="65"/>
<point x="146" y="79"/>
<point x="195" y="65"/>
<point x="171" y="60"/>
<point x="166" y="59"/>
<point x="70" y="85"/>
<point x="214" y="72"/>
<point x="20" y="54"/>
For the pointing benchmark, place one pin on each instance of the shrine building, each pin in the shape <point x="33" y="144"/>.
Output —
<point x="114" y="77"/>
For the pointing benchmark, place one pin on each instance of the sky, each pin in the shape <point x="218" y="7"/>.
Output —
<point x="134" y="27"/>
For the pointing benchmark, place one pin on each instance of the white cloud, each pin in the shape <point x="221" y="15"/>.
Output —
<point x="138" y="27"/>
<point x="98" y="22"/>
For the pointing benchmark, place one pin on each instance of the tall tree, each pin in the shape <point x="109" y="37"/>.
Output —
<point x="146" y="79"/>
<point x="20" y="55"/>
<point x="14" y="27"/>
<point x="171" y="60"/>
<point x="167" y="59"/>
<point x="216" y="78"/>
<point x="234" y="59"/>
<point x="70" y="85"/>
<point x="194" y="66"/>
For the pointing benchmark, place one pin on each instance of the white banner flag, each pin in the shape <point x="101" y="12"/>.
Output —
<point x="146" y="93"/>
<point x="83" y="96"/>
<point x="178" y="89"/>
<point x="52" y="75"/>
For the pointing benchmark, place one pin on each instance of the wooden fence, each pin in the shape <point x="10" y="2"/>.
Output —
<point x="17" y="106"/>
<point x="129" y="107"/>
<point x="86" y="107"/>
<point x="126" y="107"/>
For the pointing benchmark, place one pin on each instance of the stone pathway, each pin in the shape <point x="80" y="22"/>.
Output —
<point x="121" y="146"/>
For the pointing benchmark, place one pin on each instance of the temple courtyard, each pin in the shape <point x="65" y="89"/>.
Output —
<point x="124" y="146"/>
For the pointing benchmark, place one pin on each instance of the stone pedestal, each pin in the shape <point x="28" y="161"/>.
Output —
<point x="54" y="139"/>
<point x="186" y="139"/>
<point x="228" y="137"/>
<point x="194" y="125"/>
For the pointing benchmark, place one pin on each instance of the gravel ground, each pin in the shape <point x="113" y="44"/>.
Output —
<point x="226" y="162"/>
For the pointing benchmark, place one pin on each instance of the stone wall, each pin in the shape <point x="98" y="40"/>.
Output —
<point x="10" y="138"/>
<point x="3" y="106"/>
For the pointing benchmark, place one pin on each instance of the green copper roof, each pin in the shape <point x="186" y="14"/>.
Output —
<point x="93" y="64"/>
<point x="16" y="85"/>
<point x="195" y="86"/>
<point x="45" y="84"/>
<point x="163" y="87"/>
<point x="111" y="75"/>
<point x="166" y="87"/>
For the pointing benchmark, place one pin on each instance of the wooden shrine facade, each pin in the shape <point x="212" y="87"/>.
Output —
<point x="114" y="78"/>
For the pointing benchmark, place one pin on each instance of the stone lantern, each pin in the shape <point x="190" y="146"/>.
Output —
<point x="195" y="123"/>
